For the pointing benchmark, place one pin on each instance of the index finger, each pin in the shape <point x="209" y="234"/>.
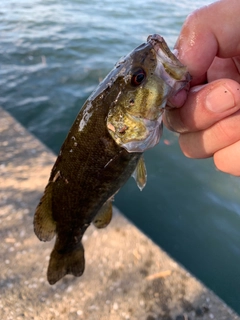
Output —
<point x="208" y="32"/>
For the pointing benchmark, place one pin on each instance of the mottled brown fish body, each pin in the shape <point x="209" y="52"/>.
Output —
<point x="90" y="168"/>
<point x="120" y="120"/>
<point x="84" y="172"/>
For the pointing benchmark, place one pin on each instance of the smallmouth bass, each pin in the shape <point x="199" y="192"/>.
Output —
<point x="119" y="121"/>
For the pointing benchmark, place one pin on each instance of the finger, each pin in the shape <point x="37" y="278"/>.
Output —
<point x="228" y="159"/>
<point x="204" y="106"/>
<point x="206" y="34"/>
<point x="204" y="144"/>
<point x="224" y="68"/>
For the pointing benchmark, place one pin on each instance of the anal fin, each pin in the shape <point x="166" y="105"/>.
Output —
<point x="44" y="225"/>
<point x="104" y="215"/>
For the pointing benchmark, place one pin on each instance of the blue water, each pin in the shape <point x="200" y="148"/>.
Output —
<point x="53" y="54"/>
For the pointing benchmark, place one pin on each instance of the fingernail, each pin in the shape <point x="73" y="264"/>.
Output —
<point x="219" y="99"/>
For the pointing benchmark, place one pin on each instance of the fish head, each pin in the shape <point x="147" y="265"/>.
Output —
<point x="147" y="78"/>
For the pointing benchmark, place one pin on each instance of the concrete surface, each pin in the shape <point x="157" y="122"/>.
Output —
<point x="126" y="276"/>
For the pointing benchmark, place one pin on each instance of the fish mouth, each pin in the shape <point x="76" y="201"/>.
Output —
<point x="169" y="68"/>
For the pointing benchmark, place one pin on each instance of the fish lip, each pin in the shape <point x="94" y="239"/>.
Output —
<point x="163" y="52"/>
<point x="169" y="68"/>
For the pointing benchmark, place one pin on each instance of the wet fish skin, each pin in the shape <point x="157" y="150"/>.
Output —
<point x="80" y="188"/>
<point x="102" y="149"/>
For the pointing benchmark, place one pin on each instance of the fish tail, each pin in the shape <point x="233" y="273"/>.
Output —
<point x="60" y="264"/>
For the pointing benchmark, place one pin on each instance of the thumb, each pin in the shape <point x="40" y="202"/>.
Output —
<point x="205" y="105"/>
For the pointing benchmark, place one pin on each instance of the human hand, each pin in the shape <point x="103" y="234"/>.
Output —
<point x="209" y="120"/>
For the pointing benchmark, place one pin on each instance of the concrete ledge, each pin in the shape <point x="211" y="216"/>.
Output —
<point x="126" y="276"/>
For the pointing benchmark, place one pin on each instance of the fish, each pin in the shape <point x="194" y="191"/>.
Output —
<point x="104" y="147"/>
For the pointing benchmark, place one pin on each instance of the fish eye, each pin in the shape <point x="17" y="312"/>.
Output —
<point x="138" y="76"/>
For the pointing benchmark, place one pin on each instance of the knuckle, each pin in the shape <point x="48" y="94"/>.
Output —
<point x="227" y="130"/>
<point x="221" y="131"/>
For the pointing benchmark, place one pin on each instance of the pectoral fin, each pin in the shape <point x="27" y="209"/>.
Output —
<point x="44" y="225"/>
<point x="140" y="174"/>
<point x="104" y="216"/>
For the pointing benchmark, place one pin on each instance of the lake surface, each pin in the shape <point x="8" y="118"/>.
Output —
<point x="53" y="54"/>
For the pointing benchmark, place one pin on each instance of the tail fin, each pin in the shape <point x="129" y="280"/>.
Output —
<point x="66" y="263"/>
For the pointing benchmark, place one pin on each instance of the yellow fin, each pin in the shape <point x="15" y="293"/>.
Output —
<point x="44" y="225"/>
<point x="104" y="215"/>
<point x="140" y="174"/>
